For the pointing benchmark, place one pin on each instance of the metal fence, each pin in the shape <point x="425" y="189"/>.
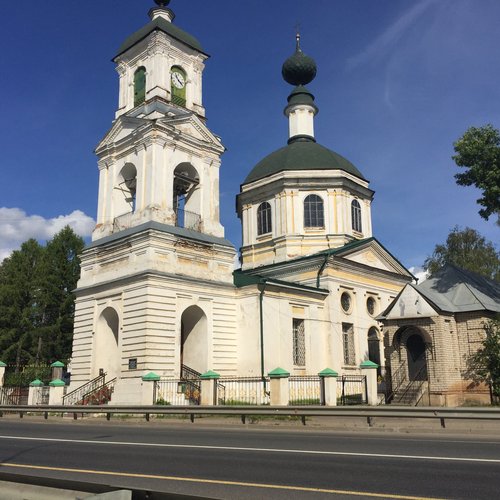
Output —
<point x="14" y="395"/>
<point x="351" y="390"/>
<point x="188" y="220"/>
<point x="176" y="392"/>
<point x="305" y="390"/>
<point x="243" y="391"/>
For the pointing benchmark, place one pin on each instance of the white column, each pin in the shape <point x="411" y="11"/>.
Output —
<point x="329" y="386"/>
<point x="369" y="369"/>
<point x="56" y="392"/>
<point x="279" y="386"/>
<point x="208" y="382"/>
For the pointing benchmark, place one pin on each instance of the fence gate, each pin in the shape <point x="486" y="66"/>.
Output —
<point x="352" y="390"/>
<point x="42" y="395"/>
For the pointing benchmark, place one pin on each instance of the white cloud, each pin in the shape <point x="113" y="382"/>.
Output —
<point x="389" y="38"/>
<point x="16" y="226"/>
<point x="419" y="273"/>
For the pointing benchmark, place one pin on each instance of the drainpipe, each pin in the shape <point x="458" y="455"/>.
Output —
<point x="261" y="311"/>
<point x="321" y="269"/>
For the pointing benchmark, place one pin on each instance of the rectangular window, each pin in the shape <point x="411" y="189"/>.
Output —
<point x="299" y="343"/>
<point x="348" y="343"/>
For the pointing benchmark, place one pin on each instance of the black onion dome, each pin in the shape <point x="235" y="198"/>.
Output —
<point x="162" y="3"/>
<point x="299" y="69"/>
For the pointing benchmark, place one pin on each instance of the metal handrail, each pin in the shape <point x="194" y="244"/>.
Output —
<point x="79" y="393"/>
<point x="90" y="396"/>
<point x="415" y="384"/>
<point x="187" y="219"/>
<point x="397" y="379"/>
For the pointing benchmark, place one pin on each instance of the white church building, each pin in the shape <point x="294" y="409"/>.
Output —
<point x="158" y="291"/>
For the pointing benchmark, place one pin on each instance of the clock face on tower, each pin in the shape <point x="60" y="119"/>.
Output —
<point x="178" y="79"/>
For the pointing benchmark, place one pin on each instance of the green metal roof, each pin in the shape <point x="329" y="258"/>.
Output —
<point x="279" y="373"/>
<point x="301" y="155"/>
<point x="244" y="278"/>
<point x="160" y="24"/>
<point x="301" y="95"/>
<point x="338" y="251"/>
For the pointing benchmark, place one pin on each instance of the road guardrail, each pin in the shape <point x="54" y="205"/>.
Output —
<point x="368" y="412"/>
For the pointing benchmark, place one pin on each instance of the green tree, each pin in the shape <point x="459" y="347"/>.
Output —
<point x="478" y="150"/>
<point x="466" y="249"/>
<point x="484" y="365"/>
<point x="37" y="300"/>
<point x="61" y="271"/>
<point x="20" y="316"/>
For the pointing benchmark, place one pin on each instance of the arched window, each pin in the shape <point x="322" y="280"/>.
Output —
<point x="356" y="216"/>
<point x="374" y="347"/>
<point x="139" y="86"/>
<point x="313" y="211"/>
<point x="264" y="223"/>
<point x="178" y="80"/>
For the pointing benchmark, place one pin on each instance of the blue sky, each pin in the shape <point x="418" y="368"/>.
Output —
<point x="398" y="82"/>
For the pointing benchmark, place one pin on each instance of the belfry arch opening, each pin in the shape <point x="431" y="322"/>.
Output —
<point x="107" y="344"/>
<point x="194" y="339"/>
<point x="187" y="197"/>
<point x="125" y="191"/>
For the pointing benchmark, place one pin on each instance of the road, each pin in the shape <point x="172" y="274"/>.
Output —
<point x="249" y="462"/>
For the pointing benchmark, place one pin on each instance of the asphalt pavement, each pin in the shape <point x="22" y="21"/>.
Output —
<point x="221" y="461"/>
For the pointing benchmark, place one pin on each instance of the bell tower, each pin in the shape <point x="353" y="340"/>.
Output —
<point x="158" y="249"/>
<point x="159" y="162"/>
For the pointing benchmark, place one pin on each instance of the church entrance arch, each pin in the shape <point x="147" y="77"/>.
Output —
<point x="416" y="356"/>
<point x="194" y="339"/>
<point x="107" y="344"/>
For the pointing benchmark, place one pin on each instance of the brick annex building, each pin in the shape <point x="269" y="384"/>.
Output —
<point x="431" y="330"/>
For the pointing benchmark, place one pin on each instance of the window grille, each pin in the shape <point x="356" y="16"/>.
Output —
<point x="313" y="211"/>
<point x="356" y="216"/>
<point x="348" y="344"/>
<point x="264" y="223"/>
<point x="299" y="343"/>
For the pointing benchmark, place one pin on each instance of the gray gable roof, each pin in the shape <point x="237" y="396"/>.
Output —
<point x="160" y="24"/>
<point x="454" y="289"/>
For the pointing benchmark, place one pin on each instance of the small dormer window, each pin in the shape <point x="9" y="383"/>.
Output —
<point x="356" y="216"/>
<point x="264" y="221"/>
<point x="178" y="80"/>
<point x="313" y="212"/>
<point x="140" y="86"/>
